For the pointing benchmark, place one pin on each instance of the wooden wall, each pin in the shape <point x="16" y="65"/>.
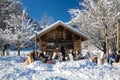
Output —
<point x="77" y="45"/>
<point x="59" y="35"/>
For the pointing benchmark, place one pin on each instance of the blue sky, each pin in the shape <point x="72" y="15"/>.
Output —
<point x="58" y="9"/>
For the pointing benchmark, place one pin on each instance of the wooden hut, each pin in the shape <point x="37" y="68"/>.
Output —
<point x="52" y="37"/>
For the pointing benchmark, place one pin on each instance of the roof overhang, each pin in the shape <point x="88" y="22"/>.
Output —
<point x="56" y="24"/>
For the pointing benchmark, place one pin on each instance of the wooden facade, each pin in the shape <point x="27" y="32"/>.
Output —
<point x="51" y="38"/>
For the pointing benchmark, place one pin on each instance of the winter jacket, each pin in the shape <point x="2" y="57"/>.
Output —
<point x="112" y="56"/>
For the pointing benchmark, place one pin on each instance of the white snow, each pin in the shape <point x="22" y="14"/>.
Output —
<point x="12" y="68"/>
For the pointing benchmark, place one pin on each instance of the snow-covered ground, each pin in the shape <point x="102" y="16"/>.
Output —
<point x="12" y="68"/>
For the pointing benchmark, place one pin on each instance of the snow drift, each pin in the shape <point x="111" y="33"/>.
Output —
<point x="12" y="68"/>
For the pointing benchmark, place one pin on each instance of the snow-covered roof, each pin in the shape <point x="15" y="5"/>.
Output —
<point x="56" y="24"/>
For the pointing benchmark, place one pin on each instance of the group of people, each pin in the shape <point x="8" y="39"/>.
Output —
<point x="76" y="55"/>
<point x="44" y="57"/>
<point x="34" y="56"/>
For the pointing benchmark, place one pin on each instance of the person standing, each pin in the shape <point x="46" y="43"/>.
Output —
<point x="63" y="52"/>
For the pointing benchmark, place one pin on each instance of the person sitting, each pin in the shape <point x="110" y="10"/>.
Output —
<point x="35" y="55"/>
<point x="44" y="57"/>
<point x="112" y="58"/>
<point x="117" y="59"/>
<point x="70" y="55"/>
<point x="75" y="57"/>
<point x="80" y="56"/>
<point x="30" y="58"/>
<point x="87" y="55"/>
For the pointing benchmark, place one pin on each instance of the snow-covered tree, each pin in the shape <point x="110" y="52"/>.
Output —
<point x="15" y="25"/>
<point x="19" y="29"/>
<point x="46" y="21"/>
<point x="94" y="16"/>
<point x="7" y="7"/>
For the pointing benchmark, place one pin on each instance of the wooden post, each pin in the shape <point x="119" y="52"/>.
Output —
<point x="106" y="41"/>
<point x="118" y="37"/>
<point x="35" y="42"/>
<point x="106" y="38"/>
<point x="54" y="34"/>
<point x="80" y="44"/>
<point x="40" y="43"/>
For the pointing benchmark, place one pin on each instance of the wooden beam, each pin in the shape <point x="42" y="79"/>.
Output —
<point x="80" y="44"/>
<point x="40" y="43"/>
<point x="54" y="34"/>
<point x="118" y="37"/>
<point x="64" y="33"/>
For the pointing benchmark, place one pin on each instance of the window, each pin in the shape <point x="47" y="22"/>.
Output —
<point x="50" y="45"/>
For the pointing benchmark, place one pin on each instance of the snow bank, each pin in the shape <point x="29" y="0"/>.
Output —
<point x="12" y="68"/>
